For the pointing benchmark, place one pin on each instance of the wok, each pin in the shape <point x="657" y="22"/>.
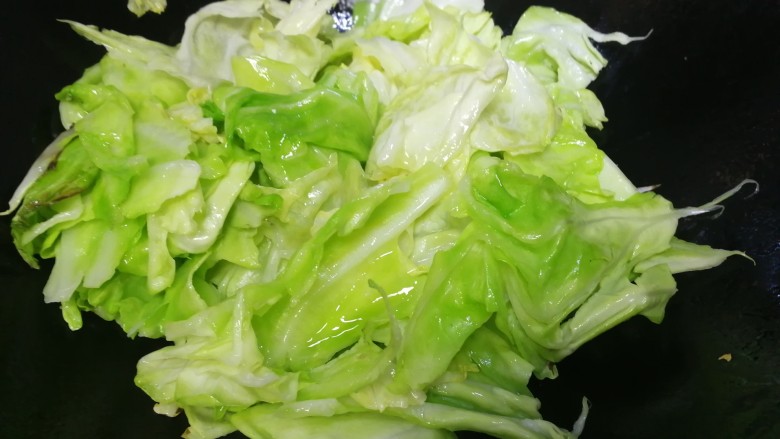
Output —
<point x="695" y="107"/>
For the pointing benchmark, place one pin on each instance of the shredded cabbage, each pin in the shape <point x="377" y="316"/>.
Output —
<point x="382" y="231"/>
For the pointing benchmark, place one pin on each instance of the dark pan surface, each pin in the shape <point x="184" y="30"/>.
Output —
<point x="695" y="107"/>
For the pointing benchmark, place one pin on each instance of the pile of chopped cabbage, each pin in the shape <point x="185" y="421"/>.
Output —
<point x="377" y="233"/>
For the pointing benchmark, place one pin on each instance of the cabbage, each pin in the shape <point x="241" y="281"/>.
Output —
<point x="141" y="7"/>
<point x="382" y="232"/>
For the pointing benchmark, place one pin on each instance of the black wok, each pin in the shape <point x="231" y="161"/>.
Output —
<point x="695" y="108"/>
